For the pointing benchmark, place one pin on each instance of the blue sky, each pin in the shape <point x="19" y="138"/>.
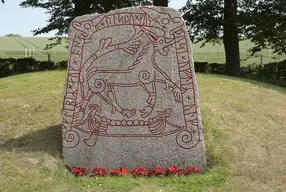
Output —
<point x="14" y="19"/>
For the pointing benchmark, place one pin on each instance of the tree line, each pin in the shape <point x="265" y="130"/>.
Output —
<point x="213" y="21"/>
<point x="229" y="21"/>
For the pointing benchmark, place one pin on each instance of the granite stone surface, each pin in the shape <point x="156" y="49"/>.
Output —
<point x="131" y="96"/>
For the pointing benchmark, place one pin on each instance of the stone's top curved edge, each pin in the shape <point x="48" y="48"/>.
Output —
<point x="174" y="11"/>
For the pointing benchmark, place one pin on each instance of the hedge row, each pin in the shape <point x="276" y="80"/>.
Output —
<point x="273" y="71"/>
<point x="11" y="66"/>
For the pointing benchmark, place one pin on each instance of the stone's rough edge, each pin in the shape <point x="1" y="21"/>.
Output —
<point x="192" y="66"/>
<point x="196" y="91"/>
<point x="86" y="16"/>
<point x="71" y="33"/>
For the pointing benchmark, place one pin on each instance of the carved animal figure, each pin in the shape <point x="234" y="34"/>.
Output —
<point x="143" y="71"/>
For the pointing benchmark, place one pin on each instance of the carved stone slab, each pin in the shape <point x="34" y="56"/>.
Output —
<point x="131" y="93"/>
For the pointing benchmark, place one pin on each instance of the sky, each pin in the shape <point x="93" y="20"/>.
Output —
<point x="14" y="19"/>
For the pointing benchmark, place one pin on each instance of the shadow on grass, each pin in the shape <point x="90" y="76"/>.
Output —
<point x="273" y="85"/>
<point x="46" y="140"/>
<point x="268" y="84"/>
<point x="49" y="140"/>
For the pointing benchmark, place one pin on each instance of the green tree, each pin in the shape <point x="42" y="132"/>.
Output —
<point x="230" y="38"/>
<point x="62" y="12"/>
<point x="264" y="23"/>
<point x="216" y="21"/>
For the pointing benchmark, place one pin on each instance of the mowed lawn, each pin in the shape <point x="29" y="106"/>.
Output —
<point x="244" y="127"/>
<point x="15" y="47"/>
<point x="20" y="47"/>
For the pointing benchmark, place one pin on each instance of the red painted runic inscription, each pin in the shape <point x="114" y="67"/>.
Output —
<point x="152" y="36"/>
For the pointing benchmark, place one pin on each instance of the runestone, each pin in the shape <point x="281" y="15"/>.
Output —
<point x="131" y="96"/>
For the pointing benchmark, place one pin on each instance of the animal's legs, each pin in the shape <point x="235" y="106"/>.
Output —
<point x="109" y="97"/>
<point x="151" y="90"/>
<point x="116" y="107"/>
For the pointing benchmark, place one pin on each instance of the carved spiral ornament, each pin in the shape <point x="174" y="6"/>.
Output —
<point x="184" y="139"/>
<point x="146" y="77"/>
<point x="71" y="139"/>
<point x="97" y="85"/>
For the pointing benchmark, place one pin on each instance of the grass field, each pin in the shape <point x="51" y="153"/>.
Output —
<point x="244" y="127"/>
<point x="15" y="47"/>
<point x="19" y="47"/>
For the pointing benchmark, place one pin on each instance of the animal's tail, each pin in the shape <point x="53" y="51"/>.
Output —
<point x="91" y="72"/>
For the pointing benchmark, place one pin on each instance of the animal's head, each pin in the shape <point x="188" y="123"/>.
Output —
<point x="162" y="20"/>
<point x="164" y="44"/>
<point x="162" y="26"/>
<point x="161" y="41"/>
<point x="165" y="113"/>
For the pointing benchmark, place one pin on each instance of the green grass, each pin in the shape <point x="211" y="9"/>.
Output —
<point x="15" y="47"/>
<point x="20" y="43"/>
<point x="244" y="127"/>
